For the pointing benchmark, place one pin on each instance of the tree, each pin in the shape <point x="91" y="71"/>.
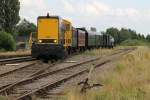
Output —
<point x="9" y="15"/>
<point x="7" y="41"/>
<point x="124" y="34"/>
<point x="148" y="38"/>
<point x="24" y="28"/>
<point x="114" y="32"/>
<point x="133" y="34"/>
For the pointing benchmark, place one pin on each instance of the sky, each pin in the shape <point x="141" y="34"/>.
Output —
<point x="102" y="14"/>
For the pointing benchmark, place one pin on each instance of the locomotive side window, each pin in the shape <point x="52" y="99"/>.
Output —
<point x="67" y="27"/>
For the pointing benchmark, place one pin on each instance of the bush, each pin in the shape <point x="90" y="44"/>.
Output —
<point x="24" y="28"/>
<point x="133" y="42"/>
<point x="7" y="41"/>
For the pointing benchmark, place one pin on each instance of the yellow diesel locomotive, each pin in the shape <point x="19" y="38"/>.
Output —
<point x="53" y="37"/>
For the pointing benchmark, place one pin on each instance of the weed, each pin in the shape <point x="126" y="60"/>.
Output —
<point x="129" y="80"/>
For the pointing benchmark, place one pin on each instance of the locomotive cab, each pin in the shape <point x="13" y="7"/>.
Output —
<point x="50" y="38"/>
<point x="48" y="30"/>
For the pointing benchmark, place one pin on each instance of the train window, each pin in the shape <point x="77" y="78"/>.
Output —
<point x="67" y="27"/>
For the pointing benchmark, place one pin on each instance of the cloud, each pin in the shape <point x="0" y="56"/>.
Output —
<point x="97" y="8"/>
<point x="127" y="12"/>
<point x="31" y="9"/>
<point x="67" y="6"/>
<point x="87" y="13"/>
<point x="93" y="8"/>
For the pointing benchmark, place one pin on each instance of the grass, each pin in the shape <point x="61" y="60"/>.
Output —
<point x="14" y="54"/>
<point x="128" y="80"/>
<point x="3" y="98"/>
<point x="100" y="52"/>
<point x="96" y="52"/>
<point x="135" y="42"/>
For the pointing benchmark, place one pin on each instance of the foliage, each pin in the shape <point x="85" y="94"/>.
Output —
<point x="126" y="80"/>
<point x="3" y="98"/>
<point x="7" y="41"/>
<point x="113" y="32"/>
<point x="124" y="35"/>
<point x="132" y="82"/>
<point x="24" y="28"/>
<point x="9" y="15"/>
<point x="133" y="42"/>
<point x="148" y="38"/>
<point x="96" y="52"/>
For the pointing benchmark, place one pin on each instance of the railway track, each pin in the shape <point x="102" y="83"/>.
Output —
<point x="53" y="77"/>
<point x="11" y="76"/>
<point x="20" y="73"/>
<point x="16" y="60"/>
<point x="58" y="91"/>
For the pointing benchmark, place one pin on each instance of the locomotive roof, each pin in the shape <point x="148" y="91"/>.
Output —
<point x="92" y="32"/>
<point x="89" y="31"/>
<point x="41" y="17"/>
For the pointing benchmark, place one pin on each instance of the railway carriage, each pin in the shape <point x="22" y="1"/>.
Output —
<point x="94" y="39"/>
<point x="74" y="40"/>
<point x="98" y="40"/>
<point x="111" y="42"/>
<point x="91" y="39"/>
<point x="81" y="39"/>
<point x="78" y="39"/>
<point x="107" y="41"/>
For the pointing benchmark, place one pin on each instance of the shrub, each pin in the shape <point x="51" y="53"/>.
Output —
<point x="7" y="41"/>
<point x="133" y="42"/>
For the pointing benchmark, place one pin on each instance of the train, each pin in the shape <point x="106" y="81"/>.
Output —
<point x="56" y="38"/>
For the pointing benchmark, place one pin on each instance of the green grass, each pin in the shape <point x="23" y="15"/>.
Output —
<point x="99" y="52"/>
<point x="128" y="80"/>
<point x="134" y="42"/>
<point x="96" y="52"/>
<point x="3" y="98"/>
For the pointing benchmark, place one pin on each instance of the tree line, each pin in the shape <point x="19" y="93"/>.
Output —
<point x="125" y="34"/>
<point x="10" y="24"/>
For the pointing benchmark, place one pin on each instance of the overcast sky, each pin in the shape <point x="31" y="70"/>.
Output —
<point x="134" y="14"/>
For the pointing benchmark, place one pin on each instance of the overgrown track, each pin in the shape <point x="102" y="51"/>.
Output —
<point x="16" y="60"/>
<point x="52" y="78"/>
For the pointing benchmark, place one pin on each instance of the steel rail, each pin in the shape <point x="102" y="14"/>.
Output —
<point x="29" y="79"/>
<point x="16" y="60"/>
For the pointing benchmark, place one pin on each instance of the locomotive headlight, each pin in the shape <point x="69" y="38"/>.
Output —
<point x="55" y="41"/>
<point x="40" y="41"/>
